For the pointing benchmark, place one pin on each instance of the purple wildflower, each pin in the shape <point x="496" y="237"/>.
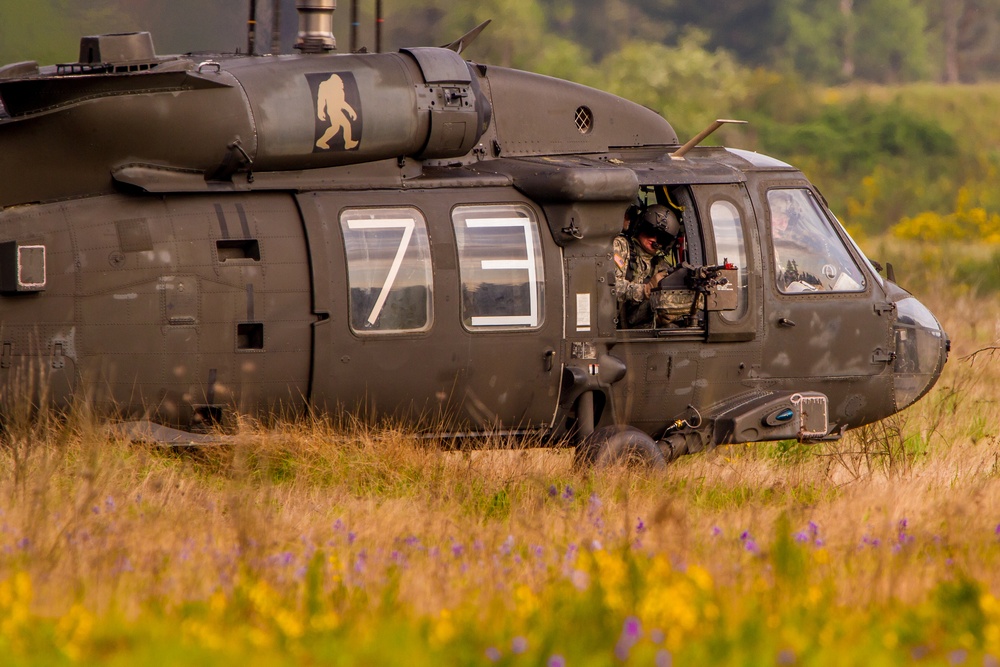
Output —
<point x="748" y="542"/>
<point x="553" y="491"/>
<point x="640" y="527"/>
<point x="567" y="493"/>
<point x="958" y="657"/>
<point x="632" y="628"/>
<point x="870" y="541"/>
<point x="457" y="550"/>
<point x="664" y="658"/>
<point x="557" y="661"/>
<point x="507" y="546"/>
<point x="716" y="531"/>
<point x="493" y="654"/>
<point x="813" y="528"/>
<point x="801" y="537"/>
<point x="519" y="645"/>
<point x="631" y="633"/>
<point x="109" y="504"/>
<point x="351" y="536"/>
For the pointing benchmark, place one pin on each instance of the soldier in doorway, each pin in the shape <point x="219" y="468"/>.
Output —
<point x="643" y="256"/>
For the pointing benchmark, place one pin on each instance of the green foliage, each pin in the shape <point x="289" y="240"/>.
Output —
<point x="688" y="84"/>
<point x="892" y="42"/>
<point x="859" y="135"/>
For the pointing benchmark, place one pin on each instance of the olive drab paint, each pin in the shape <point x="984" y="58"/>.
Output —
<point x="187" y="238"/>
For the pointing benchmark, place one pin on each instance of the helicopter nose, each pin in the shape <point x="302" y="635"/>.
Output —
<point x="922" y="349"/>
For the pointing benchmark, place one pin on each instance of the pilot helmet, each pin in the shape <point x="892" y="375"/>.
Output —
<point x="662" y="220"/>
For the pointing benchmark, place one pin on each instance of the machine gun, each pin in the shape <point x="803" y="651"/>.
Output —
<point x="678" y="297"/>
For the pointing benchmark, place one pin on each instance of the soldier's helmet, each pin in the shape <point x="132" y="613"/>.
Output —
<point x="662" y="220"/>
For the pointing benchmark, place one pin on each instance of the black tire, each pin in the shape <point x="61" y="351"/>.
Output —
<point x="618" y="446"/>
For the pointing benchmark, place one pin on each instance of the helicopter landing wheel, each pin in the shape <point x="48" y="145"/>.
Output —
<point x="618" y="446"/>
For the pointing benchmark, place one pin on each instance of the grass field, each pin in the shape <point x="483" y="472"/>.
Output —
<point x="307" y="544"/>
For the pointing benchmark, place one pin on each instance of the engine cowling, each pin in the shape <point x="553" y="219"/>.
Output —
<point x="75" y="125"/>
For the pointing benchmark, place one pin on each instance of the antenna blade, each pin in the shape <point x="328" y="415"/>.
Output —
<point x="462" y="42"/>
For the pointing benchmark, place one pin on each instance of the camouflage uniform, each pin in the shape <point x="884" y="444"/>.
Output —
<point x="633" y="267"/>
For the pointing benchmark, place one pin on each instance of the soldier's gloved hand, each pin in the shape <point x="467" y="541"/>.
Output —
<point x="654" y="280"/>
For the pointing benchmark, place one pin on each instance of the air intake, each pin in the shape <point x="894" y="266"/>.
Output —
<point x="123" y="52"/>
<point x="121" y="49"/>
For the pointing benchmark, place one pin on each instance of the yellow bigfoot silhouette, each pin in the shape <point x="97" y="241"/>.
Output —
<point x="330" y="99"/>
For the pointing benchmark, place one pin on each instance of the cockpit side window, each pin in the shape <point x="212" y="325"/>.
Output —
<point x="809" y="256"/>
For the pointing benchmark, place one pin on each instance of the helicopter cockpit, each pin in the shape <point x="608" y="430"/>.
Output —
<point x="808" y="254"/>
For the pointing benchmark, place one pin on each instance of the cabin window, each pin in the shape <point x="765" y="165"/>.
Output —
<point x="500" y="266"/>
<point x="809" y="255"/>
<point x="388" y="270"/>
<point x="729" y="247"/>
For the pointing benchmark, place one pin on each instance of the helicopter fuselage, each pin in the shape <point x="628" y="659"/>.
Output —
<point x="183" y="239"/>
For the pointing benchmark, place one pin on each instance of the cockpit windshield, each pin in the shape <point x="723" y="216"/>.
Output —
<point x="809" y="255"/>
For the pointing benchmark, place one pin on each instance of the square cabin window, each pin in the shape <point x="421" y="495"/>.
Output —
<point x="389" y="270"/>
<point x="500" y="266"/>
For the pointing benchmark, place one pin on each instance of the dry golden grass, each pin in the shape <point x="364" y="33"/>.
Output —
<point x="889" y="512"/>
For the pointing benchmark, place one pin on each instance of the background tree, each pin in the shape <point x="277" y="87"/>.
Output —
<point x="688" y="83"/>
<point x="966" y="38"/>
<point x="892" y="43"/>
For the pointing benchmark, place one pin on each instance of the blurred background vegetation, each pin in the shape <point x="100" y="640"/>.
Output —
<point x="889" y="106"/>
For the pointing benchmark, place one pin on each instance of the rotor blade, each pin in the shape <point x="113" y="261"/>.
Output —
<point x="462" y="42"/>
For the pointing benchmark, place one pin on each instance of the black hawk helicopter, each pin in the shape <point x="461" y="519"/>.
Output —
<point x="185" y="238"/>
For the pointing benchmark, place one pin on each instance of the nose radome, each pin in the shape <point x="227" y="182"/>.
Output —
<point x="921" y="351"/>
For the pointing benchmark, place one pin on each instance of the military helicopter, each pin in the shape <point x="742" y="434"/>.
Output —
<point x="186" y="238"/>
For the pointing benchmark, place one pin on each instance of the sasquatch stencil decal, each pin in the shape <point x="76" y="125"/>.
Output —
<point x="338" y="111"/>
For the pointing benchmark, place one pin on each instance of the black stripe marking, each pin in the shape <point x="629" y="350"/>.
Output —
<point x="222" y="221"/>
<point x="213" y="375"/>
<point x="250" y="317"/>
<point x="243" y="221"/>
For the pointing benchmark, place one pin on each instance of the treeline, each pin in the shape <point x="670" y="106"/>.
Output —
<point x="825" y="41"/>
<point x="821" y="41"/>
